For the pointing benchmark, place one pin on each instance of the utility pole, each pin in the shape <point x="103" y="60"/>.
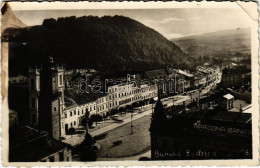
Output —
<point x="175" y="83"/>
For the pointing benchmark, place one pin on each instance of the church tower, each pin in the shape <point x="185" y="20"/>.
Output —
<point x="158" y="125"/>
<point x="47" y="97"/>
<point x="57" y="105"/>
<point x="34" y="92"/>
<point x="158" y="118"/>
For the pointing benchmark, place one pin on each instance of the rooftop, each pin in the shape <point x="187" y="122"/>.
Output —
<point x="30" y="145"/>
<point x="156" y="73"/>
<point x="228" y="96"/>
<point x="184" y="73"/>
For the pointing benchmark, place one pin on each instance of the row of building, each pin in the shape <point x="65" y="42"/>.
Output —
<point x="118" y="96"/>
<point x="56" y="109"/>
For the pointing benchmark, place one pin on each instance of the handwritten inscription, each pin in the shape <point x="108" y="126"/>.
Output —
<point x="186" y="153"/>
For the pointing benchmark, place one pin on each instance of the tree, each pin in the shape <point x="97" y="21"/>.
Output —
<point x="72" y="130"/>
<point x="152" y="101"/>
<point x="121" y="109"/>
<point x="113" y="112"/>
<point x="142" y="103"/>
<point x="135" y="104"/>
<point x="96" y="118"/>
<point x="128" y="107"/>
<point x="90" y="122"/>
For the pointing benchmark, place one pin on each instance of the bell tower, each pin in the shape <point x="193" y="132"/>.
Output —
<point x="34" y="92"/>
<point x="46" y="97"/>
<point x="57" y="105"/>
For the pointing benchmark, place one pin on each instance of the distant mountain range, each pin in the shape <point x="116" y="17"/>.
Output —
<point x="216" y="43"/>
<point x="108" y="44"/>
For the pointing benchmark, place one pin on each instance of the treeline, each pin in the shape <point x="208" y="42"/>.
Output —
<point x="108" y="43"/>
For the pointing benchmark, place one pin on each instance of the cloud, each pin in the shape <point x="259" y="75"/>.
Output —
<point x="172" y="19"/>
<point x="173" y="35"/>
<point x="165" y="20"/>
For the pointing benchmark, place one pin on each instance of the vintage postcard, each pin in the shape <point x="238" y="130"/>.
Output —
<point x="129" y="83"/>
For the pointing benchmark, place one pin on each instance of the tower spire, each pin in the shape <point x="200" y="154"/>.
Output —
<point x="158" y="117"/>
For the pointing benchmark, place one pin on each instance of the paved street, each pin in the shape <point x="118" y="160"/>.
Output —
<point x="135" y="143"/>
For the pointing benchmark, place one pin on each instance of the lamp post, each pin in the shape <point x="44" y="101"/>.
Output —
<point x="132" y="131"/>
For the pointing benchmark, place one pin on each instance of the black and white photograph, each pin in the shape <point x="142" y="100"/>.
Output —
<point x="95" y="83"/>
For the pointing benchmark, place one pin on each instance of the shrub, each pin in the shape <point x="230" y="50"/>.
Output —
<point x="72" y="130"/>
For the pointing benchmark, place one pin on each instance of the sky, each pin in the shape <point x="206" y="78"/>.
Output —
<point x="171" y="23"/>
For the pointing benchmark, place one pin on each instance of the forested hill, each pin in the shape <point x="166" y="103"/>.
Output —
<point x="108" y="44"/>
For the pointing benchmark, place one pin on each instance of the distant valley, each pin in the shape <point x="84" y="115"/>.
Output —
<point x="217" y="44"/>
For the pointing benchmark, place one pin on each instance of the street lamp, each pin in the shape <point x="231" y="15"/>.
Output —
<point x="132" y="131"/>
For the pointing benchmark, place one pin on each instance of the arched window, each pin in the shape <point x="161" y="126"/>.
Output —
<point x="32" y="84"/>
<point x="33" y="102"/>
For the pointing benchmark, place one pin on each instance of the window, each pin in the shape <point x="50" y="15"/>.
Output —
<point x="65" y="115"/>
<point x="33" y="102"/>
<point x="71" y="124"/>
<point x="78" y="112"/>
<point x="60" y="79"/>
<point x="74" y="123"/>
<point x="54" y="108"/>
<point x="32" y="84"/>
<point x="70" y="113"/>
<point x="74" y="112"/>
